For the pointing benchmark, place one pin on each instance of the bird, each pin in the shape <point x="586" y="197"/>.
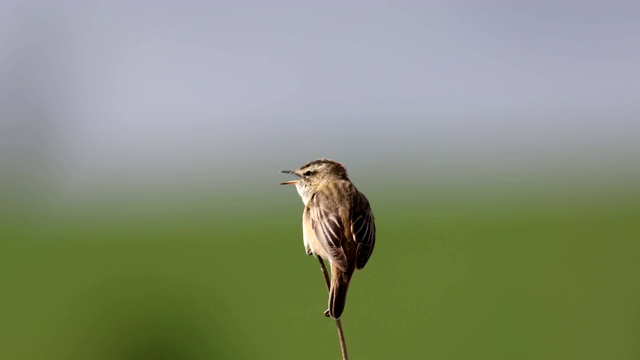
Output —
<point x="338" y="224"/>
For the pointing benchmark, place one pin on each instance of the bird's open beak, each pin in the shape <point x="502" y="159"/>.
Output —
<point x="292" y="182"/>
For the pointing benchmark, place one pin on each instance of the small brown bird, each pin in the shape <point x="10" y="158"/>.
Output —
<point x="337" y="224"/>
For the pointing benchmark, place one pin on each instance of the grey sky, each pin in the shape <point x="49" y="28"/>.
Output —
<point x="192" y="90"/>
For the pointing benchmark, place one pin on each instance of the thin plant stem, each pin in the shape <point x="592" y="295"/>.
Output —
<point x="343" y="343"/>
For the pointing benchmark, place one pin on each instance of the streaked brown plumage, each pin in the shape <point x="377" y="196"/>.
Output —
<point x="337" y="224"/>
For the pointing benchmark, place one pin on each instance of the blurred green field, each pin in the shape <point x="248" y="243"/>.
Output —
<point x="506" y="273"/>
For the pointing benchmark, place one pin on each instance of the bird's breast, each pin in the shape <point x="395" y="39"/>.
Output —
<point x="309" y="237"/>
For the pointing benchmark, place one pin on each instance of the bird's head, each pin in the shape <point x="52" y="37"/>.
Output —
<point x="313" y="175"/>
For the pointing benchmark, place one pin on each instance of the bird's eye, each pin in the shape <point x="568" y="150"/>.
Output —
<point x="308" y="173"/>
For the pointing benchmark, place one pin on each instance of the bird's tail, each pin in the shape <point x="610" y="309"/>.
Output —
<point x="338" y="292"/>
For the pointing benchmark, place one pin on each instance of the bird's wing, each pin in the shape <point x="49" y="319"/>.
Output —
<point x="329" y="229"/>
<point x="363" y="228"/>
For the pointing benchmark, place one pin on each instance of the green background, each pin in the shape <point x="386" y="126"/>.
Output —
<point x="489" y="269"/>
